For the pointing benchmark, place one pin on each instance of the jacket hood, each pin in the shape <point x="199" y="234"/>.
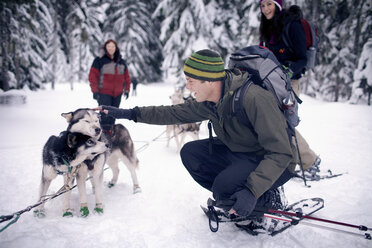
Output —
<point x="234" y="79"/>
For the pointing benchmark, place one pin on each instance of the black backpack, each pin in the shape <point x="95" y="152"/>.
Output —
<point x="311" y="36"/>
<point x="266" y="71"/>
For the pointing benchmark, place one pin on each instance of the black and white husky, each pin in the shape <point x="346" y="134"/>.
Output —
<point x="64" y="155"/>
<point x="86" y="121"/>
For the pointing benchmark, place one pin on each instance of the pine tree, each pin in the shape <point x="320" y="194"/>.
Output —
<point x="5" y="32"/>
<point x="25" y="51"/>
<point x="183" y="31"/>
<point x="188" y="26"/>
<point x="129" y="23"/>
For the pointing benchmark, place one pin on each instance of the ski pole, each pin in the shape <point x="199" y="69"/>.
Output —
<point x="300" y="215"/>
<point x="300" y="159"/>
<point x="295" y="222"/>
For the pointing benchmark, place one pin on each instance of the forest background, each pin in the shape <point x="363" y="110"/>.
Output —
<point x="51" y="41"/>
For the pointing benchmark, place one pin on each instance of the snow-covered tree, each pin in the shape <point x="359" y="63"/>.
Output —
<point x="183" y="27"/>
<point x="129" y="23"/>
<point x="220" y="25"/>
<point x="53" y="41"/>
<point x="25" y="48"/>
<point x="362" y="86"/>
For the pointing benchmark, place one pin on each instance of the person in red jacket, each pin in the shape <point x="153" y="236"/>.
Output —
<point x="109" y="80"/>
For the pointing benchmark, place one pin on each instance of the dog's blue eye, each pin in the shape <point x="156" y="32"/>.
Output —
<point x="90" y="142"/>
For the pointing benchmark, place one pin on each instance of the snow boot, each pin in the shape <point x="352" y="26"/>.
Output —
<point x="313" y="171"/>
<point x="271" y="199"/>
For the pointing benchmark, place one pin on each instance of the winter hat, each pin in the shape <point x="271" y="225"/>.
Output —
<point x="278" y="3"/>
<point x="205" y="65"/>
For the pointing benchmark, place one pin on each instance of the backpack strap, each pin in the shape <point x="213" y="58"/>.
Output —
<point x="286" y="40"/>
<point x="239" y="111"/>
<point x="237" y="103"/>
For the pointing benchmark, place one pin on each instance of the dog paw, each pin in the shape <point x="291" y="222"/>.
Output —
<point x="137" y="189"/>
<point x="39" y="213"/>
<point x="68" y="213"/>
<point x="98" y="209"/>
<point x="84" y="212"/>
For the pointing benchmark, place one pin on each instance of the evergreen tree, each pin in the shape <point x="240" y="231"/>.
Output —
<point x="84" y="36"/>
<point x="362" y="86"/>
<point x="182" y="31"/>
<point x="188" y="26"/>
<point x="44" y="41"/>
<point x="24" y="47"/>
<point x="129" y="23"/>
<point x="5" y="15"/>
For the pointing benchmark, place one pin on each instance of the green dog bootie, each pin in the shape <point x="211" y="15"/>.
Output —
<point x="39" y="213"/>
<point x="68" y="213"/>
<point x="84" y="212"/>
<point x="98" y="209"/>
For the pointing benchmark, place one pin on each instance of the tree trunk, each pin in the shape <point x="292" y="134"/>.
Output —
<point x="71" y="60"/>
<point x="357" y="46"/>
<point x="54" y="58"/>
<point x="4" y="35"/>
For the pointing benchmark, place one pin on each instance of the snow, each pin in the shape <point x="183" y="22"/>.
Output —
<point x="167" y="212"/>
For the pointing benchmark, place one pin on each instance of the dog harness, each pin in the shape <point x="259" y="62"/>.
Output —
<point x="69" y="168"/>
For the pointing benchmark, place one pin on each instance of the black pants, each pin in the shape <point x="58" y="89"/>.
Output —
<point x="223" y="172"/>
<point x="107" y="121"/>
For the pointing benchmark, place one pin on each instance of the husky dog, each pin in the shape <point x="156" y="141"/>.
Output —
<point x="63" y="155"/>
<point x="86" y="121"/>
<point x="182" y="130"/>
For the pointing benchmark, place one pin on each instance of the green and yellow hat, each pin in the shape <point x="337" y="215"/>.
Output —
<point x="205" y="65"/>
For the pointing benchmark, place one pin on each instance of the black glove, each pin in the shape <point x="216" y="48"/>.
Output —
<point x="119" y="113"/>
<point x="245" y="202"/>
<point x="96" y="96"/>
<point x="126" y="94"/>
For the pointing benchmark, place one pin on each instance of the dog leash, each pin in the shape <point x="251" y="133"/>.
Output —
<point x="147" y="143"/>
<point x="13" y="218"/>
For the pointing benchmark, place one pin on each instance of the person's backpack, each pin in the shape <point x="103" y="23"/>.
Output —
<point x="311" y="35"/>
<point x="264" y="70"/>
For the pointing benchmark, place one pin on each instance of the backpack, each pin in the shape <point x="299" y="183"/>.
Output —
<point x="266" y="71"/>
<point x="312" y="41"/>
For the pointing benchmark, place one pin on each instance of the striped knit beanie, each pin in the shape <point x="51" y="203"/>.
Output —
<point x="205" y="65"/>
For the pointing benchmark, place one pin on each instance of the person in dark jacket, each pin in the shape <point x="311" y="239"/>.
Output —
<point x="240" y="165"/>
<point x="274" y="20"/>
<point x="134" y="86"/>
<point x="109" y="80"/>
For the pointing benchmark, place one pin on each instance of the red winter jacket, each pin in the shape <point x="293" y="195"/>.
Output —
<point x="109" y="76"/>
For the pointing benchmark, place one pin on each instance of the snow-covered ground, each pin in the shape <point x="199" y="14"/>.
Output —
<point x="167" y="212"/>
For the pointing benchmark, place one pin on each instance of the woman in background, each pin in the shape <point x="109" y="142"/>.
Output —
<point x="274" y="20"/>
<point x="109" y="80"/>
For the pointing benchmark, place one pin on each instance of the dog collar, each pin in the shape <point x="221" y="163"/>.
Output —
<point x="69" y="167"/>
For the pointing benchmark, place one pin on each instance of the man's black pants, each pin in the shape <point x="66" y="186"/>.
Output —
<point x="223" y="172"/>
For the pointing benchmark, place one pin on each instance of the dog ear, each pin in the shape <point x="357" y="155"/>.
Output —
<point x="67" y="116"/>
<point x="71" y="140"/>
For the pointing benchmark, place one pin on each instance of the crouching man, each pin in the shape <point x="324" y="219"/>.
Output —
<point x="242" y="164"/>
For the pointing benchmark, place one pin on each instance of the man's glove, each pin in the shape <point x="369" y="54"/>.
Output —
<point x="96" y="96"/>
<point x="288" y="71"/>
<point x="126" y="94"/>
<point x="245" y="202"/>
<point x="119" y="113"/>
